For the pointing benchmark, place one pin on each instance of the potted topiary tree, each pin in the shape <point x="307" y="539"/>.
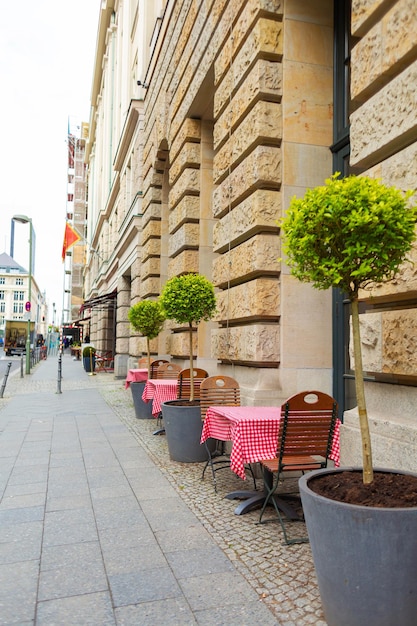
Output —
<point x="187" y="299"/>
<point x="347" y="234"/>
<point x="147" y="318"/>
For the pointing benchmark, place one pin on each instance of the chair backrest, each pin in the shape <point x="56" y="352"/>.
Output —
<point x="307" y="425"/>
<point x="143" y="362"/>
<point x="217" y="390"/>
<point x="154" y="366"/>
<point x="168" y="370"/>
<point x="184" y="382"/>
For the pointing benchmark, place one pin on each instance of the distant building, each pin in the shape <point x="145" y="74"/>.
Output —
<point x="14" y="293"/>
<point x="76" y="216"/>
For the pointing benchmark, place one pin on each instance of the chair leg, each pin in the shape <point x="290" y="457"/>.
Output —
<point x="223" y="464"/>
<point x="161" y="429"/>
<point x="209" y="462"/>
<point x="252" y="473"/>
<point x="278" y="503"/>
<point x="266" y="501"/>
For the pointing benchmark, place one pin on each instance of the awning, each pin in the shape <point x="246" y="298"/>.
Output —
<point x="99" y="301"/>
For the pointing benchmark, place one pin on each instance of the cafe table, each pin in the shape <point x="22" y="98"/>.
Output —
<point x="76" y="351"/>
<point x="159" y="390"/>
<point x="253" y="431"/>
<point x="136" y="376"/>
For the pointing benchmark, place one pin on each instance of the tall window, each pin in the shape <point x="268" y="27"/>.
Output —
<point x="18" y="295"/>
<point x="1" y="294"/>
<point x="343" y="383"/>
<point x="19" y="281"/>
<point x="2" y="280"/>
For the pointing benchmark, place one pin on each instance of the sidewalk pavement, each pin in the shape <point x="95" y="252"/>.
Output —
<point x="98" y="526"/>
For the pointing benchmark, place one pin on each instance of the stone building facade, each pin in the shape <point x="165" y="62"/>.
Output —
<point x="383" y="136"/>
<point x="208" y="116"/>
<point x="76" y="215"/>
<point x="14" y="293"/>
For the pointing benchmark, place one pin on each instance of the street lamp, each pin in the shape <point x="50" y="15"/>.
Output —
<point x="23" y="219"/>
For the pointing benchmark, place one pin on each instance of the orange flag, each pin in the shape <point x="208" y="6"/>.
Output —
<point x="70" y="237"/>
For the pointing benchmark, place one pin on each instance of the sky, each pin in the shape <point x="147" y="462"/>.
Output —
<point x="46" y="65"/>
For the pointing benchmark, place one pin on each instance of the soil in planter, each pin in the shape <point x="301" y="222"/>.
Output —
<point x="184" y="402"/>
<point x="387" y="489"/>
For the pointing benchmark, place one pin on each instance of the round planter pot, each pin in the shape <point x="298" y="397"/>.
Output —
<point x="143" y="410"/>
<point x="183" y="428"/>
<point x="365" y="558"/>
<point x="88" y="362"/>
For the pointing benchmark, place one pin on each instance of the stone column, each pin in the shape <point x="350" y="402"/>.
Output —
<point x="122" y="327"/>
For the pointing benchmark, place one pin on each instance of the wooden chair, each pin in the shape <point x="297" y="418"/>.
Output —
<point x="168" y="371"/>
<point x="184" y="382"/>
<point x="215" y="391"/>
<point x="104" y="361"/>
<point x="304" y="443"/>
<point x="143" y="362"/>
<point x="154" y="366"/>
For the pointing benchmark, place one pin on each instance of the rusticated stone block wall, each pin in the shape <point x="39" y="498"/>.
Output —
<point x="384" y="140"/>
<point x="384" y="145"/>
<point x="389" y="342"/>
<point x="247" y="173"/>
<point x="218" y="111"/>
<point x="384" y="74"/>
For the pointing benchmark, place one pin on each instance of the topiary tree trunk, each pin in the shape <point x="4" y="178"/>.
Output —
<point x="188" y="299"/>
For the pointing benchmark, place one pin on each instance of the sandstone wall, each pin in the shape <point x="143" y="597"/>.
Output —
<point x="221" y="116"/>
<point x="384" y="145"/>
<point x="384" y="142"/>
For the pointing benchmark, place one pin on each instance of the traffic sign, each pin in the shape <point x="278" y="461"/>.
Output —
<point x="27" y="306"/>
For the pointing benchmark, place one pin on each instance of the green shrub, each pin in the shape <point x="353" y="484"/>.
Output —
<point x="89" y="350"/>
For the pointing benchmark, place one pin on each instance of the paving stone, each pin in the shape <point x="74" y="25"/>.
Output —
<point x="72" y="554"/>
<point x="73" y="533"/>
<point x="237" y="615"/>
<point x="173" y="611"/>
<point x="123" y="560"/>
<point x="143" y="586"/>
<point x="76" y="579"/>
<point x="192" y="562"/>
<point x="18" y="591"/>
<point x="93" y="608"/>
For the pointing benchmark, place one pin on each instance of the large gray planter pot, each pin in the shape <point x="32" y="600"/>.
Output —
<point x="143" y="410"/>
<point x="183" y="428"/>
<point x="365" y="559"/>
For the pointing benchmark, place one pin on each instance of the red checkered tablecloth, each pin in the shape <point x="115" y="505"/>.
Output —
<point x="136" y="376"/>
<point x="253" y="431"/>
<point x="159" y="390"/>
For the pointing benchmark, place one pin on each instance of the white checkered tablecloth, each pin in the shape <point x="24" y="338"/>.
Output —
<point x="159" y="390"/>
<point x="253" y="432"/>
